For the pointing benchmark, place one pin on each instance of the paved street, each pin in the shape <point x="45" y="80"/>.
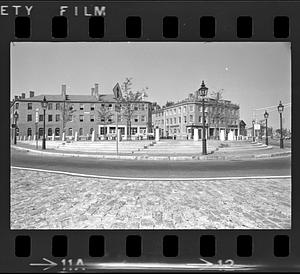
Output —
<point x="42" y="200"/>
<point x="169" y="169"/>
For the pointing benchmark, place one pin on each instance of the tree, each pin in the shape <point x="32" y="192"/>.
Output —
<point x="218" y="101"/>
<point x="67" y="111"/>
<point x="104" y="115"/>
<point x="128" y="103"/>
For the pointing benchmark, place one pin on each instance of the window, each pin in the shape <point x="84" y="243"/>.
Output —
<point x="81" y="118"/>
<point x="102" y="119"/>
<point x="142" y="107"/>
<point x="57" y="131"/>
<point x="41" y="132"/>
<point x="17" y="105"/>
<point x="29" y="106"/>
<point x="174" y="120"/>
<point x="184" y="109"/>
<point x="174" y="110"/>
<point x="136" y="119"/>
<point x="81" y="131"/>
<point x="91" y="130"/>
<point x="49" y="118"/>
<point x="71" y="118"/>
<point x="184" y="119"/>
<point x="70" y="131"/>
<point x="191" y="118"/>
<point x="50" y="106"/>
<point x="71" y="107"/>
<point x="81" y="107"/>
<point x="103" y="130"/>
<point x="50" y="131"/>
<point x="57" y="118"/>
<point x="167" y="121"/>
<point x="179" y="110"/>
<point x="92" y="106"/>
<point x="171" y="121"/>
<point x="136" y="107"/>
<point x="142" y="118"/>
<point x="29" y="118"/>
<point x="200" y="119"/>
<point x="102" y="105"/>
<point x="179" y="120"/>
<point x="41" y="118"/>
<point x="29" y="131"/>
<point x="92" y="118"/>
<point x="191" y="107"/>
<point x="57" y="106"/>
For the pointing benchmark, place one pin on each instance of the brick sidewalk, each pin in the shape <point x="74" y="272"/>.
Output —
<point x="42" y="200"/>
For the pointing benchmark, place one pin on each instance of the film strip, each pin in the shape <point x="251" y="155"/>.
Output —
<point x="86" y="191"/>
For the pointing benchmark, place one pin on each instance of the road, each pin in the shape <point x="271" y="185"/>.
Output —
<point x="154" y="169"/>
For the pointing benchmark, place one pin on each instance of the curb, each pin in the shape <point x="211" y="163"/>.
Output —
<point x="149" y="158"/>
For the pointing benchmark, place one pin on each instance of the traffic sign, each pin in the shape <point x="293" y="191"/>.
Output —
<point x="117" y="91"/>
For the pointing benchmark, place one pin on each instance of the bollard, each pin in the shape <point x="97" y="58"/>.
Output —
<point x="93" y="136"/>
<point x="76" y="136"/>
<point x="63" y="137"/>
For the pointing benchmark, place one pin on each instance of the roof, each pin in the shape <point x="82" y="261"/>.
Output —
<point x="79" y="98"/>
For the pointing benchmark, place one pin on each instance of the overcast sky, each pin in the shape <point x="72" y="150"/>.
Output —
<point x="253" y="75"/>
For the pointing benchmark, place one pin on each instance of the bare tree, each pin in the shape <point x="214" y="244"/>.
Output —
<point x="67" y="111"/>
<point x="104" y="115"/>
<point x="128" y="103"/>
<point x="216" y="115"/>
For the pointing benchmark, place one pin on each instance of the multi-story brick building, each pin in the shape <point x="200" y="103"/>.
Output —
<point x="177" y="120"/>
<point x="78" y="115"/>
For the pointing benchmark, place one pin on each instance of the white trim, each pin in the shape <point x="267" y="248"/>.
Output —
<point x="152" y="179"/>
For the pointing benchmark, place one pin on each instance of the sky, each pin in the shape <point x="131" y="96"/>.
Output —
<point x="255" y="75"/>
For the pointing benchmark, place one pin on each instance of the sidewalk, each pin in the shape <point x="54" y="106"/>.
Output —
<point x="220" y="154"/>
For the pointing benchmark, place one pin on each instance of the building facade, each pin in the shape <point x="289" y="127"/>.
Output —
<point x="178" y="120"/>
<point x="78" y="115"/>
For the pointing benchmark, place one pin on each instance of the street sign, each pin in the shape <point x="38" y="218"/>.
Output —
<point x="257" y="126"/>
<point x="117" y="92"/>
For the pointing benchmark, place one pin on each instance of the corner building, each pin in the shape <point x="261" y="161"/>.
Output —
<point x="179" y="119"/>
<point x="79" y="114"/>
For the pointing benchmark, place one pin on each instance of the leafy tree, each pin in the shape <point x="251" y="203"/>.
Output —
<point x="128" y="102"/>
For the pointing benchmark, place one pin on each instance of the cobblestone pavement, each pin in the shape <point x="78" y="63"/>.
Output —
<point x="42" y="200"/>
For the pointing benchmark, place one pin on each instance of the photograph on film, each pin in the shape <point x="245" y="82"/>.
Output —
<point x="150" y="135"/>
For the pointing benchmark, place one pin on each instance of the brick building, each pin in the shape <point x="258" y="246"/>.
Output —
<point x="177" y="120"/>
<point x="78" y="115"/>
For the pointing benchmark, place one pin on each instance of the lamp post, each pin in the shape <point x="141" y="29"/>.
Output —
<point x="253" y="132"/>
<point x="203" y="92"/>
<point x="44" y="106"/>
<point x="16" y="116"/>
<point x="280" y="110"/>
<point x="266" y="115"/>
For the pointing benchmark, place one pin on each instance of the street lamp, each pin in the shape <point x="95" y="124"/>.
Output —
<point x="16" y="116"/>
<point x="253" y="132"/>
<point x="266" y="115"/>
<point x="280" y="110"/>
<point x="203" y="92"/>
<point x="44" y="106"/>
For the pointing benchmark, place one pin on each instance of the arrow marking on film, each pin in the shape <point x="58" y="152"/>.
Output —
<point x="47" y="265"/>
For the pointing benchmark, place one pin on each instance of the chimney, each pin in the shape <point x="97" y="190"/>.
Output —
<point x="96" y="91"/>
<point x="23" y="96"/>
<point x="31" y="94"/>
<point x="63" y="90"/>
<point x="16" y="97"/>
<point x="93" y="91"/>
